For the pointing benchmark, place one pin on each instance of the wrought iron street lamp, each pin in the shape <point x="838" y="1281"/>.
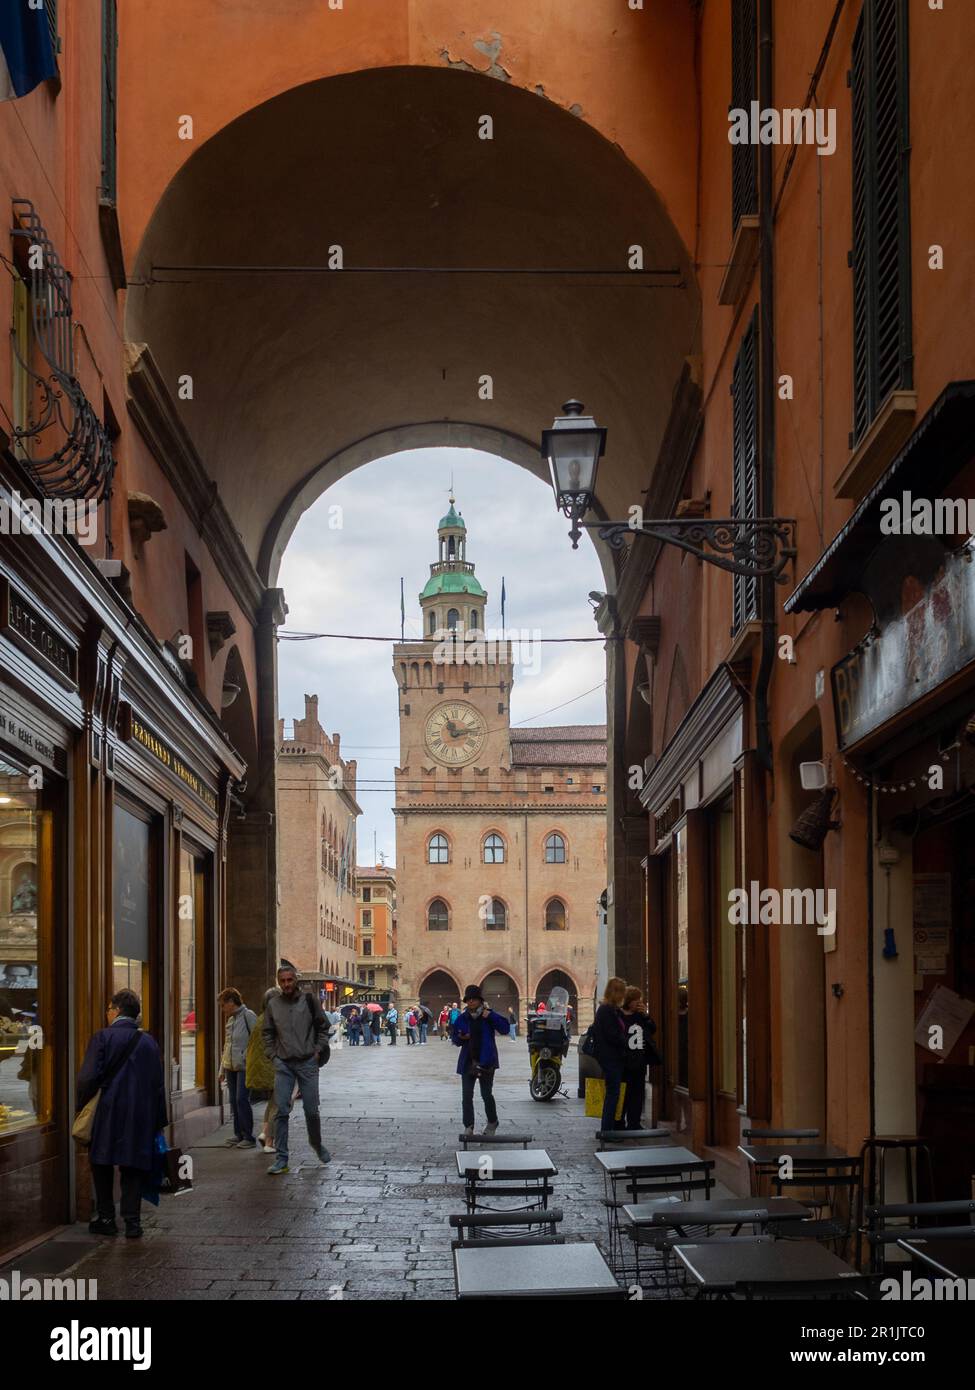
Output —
<point x="753" y="547"/>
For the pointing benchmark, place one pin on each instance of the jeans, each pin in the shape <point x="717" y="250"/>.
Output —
<point x="423" y="1032"/>
<point x="285" y="1076"/>
<point x="633" y="1102"/>
<point x="367" y="1037"/>
<point x="613" y="1076"/>
<point x="103" y="1176"/>
<point x="487" y="1096"/>
<point x="240" y="1105"/>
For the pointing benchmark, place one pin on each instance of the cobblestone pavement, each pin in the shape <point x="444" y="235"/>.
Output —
<point x="373" y="1223"/>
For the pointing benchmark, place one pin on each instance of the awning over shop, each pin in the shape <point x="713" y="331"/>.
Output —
<point x="941" y="444"/>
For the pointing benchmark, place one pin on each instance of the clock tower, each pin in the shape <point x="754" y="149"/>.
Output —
<point x="455" y="683"/>
<point x="500" y="832"/>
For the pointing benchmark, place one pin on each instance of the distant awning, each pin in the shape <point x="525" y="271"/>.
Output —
<point x="940" y="445"/>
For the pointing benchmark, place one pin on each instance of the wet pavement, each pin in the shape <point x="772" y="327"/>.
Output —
<point x="370" y="1225"/>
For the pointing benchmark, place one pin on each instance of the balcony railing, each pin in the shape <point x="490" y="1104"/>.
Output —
<point x="61" y="443"/>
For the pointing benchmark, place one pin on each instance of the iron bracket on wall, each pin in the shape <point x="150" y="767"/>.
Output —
<point x="753" y="548"/>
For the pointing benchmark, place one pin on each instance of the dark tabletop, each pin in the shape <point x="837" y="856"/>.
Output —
<point x="798" y="1153"/>
<point x="665" y="1156"/>
<point x="706" y="1213"/>
<point x="774" y="1262"/>
<point x="953" y="1258"/>
<point x="506" y="1163"/>
<point x="539" y="1271"/>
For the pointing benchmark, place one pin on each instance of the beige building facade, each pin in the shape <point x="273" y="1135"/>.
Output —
<point x="500" y="832"/>
<point x="376" y="930"/>
<point x="317" y="813"/>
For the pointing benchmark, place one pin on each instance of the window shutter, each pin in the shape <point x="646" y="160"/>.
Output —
<point x="744" y="89"/>
<point x="882" y="349"/>
<point x="109" y="100"/>
<point x="745" y="460"/>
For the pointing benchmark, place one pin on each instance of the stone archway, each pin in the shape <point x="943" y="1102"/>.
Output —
<point x="553" y="978"/>
<point x="501" y="993"/>
<point x="437" y="989"/>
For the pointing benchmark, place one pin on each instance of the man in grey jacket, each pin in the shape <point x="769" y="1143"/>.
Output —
<point x="240" y="1022"/>
<point x="295" y="1033"/>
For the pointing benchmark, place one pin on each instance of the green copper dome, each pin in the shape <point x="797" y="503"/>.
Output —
<point x="452" y="519"/>
<point x="452" y="582"/>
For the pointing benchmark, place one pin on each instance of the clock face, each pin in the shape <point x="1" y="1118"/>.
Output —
<point x="455" y="733"/>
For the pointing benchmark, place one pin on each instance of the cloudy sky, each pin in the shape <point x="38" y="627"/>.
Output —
<point x="347" y="580"/>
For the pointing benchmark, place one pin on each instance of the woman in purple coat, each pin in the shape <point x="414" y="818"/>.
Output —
<point x="124" y="1064"/>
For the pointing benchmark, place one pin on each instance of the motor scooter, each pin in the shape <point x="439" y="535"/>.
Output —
<point x="548" y="1043"/>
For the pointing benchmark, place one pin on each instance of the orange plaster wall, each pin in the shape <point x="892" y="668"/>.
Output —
<point x="628" y="73"/>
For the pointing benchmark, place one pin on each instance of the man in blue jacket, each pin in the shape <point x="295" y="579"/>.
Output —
<point x="124" y="1064"/>
<point x="474" y="1033"/>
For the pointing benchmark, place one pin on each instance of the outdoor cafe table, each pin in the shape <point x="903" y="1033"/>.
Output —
<point x="741" y="1266"/>
<point x="680" y="1215"/>
<point x="766" y="1159"/>
<point x="535" y="1271"/>
<point x="527" y="1171"/>
<point x="622" y="1165"/>
<point x="953" y="1258"/>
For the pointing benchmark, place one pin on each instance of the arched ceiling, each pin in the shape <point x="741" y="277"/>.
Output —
<point x="297" y="377"/>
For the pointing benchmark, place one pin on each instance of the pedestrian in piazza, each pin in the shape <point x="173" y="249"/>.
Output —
<point x="408" y="1023"/>
<point x="444" y="1021"/>
<point x="376" y="1025"/>
<point x="453" y="1017"/>
<point x="423" y="1017"/>
<point x="259" y="1076"/>
<point x="239" y="1025"/>
<point x="392" y="1019"/>
<point x="609" y="1040"/>
<point x="122" y="1066"/>
<point x="474" y="1033"/>
<point x="640" y="1054"/>
<point x="354" y="1027"/>
<point x="512" y="1023"/>
<point x="295" y="1035"/>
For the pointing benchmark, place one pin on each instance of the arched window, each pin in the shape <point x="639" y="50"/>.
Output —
<point x="438" y="851"/>
<point x="453" y="618"/>
<point x="433" y="621"/>
<point x="438" y="917"/>
<point x="497" y="916"/>
<point x="555" y="915"/>
<point x="554" y="848"/>
<point x="493" y="849"/>
<point x="451" y="547"/>
<point x="473" y="619"/>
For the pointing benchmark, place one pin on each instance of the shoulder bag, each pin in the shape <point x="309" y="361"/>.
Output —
<point x="84" y="1123"/>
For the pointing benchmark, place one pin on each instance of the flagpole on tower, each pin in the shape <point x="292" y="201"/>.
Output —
<point x="402" y="612"/>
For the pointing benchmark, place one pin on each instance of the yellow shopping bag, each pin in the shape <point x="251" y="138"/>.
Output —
<point x="596" y="1096"/>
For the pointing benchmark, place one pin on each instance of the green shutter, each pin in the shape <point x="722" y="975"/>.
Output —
<point x="109" y="189"/>
<point x="882" y="349"/>
<point x="744" y="488"/>
<point x="744" y="90"/>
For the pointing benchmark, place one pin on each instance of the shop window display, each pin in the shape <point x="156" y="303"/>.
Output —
<point x="25" y="839"/>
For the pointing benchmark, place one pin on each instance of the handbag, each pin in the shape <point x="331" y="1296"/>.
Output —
<point x="588" y="1045"/>
<point x="84" y="1122"/>
<point x="325" y="1051"/>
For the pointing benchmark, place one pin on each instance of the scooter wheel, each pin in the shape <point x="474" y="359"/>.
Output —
<point x="544" y="1083"/>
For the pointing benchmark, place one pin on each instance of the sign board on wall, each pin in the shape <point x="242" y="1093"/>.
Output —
<point x="910" y="657"/>
<point x="932" y="923"/>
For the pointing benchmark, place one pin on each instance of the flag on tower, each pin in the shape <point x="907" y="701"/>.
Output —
<point x="502" y="603"/>
<point x="402" y="611"/>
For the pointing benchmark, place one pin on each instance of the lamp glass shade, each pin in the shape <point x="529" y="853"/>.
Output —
<point x="573" y="447"/>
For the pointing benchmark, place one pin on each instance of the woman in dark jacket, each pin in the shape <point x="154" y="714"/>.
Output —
<point x="609" y="1039"/>
<point x="130" y="1113"/>
<point x="474" y="1033"/>
<point x="640" y="1054"/>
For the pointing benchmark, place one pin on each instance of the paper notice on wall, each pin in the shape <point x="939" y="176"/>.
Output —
<point x="942" y="1021"/>
<point x="932" y="923"/>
